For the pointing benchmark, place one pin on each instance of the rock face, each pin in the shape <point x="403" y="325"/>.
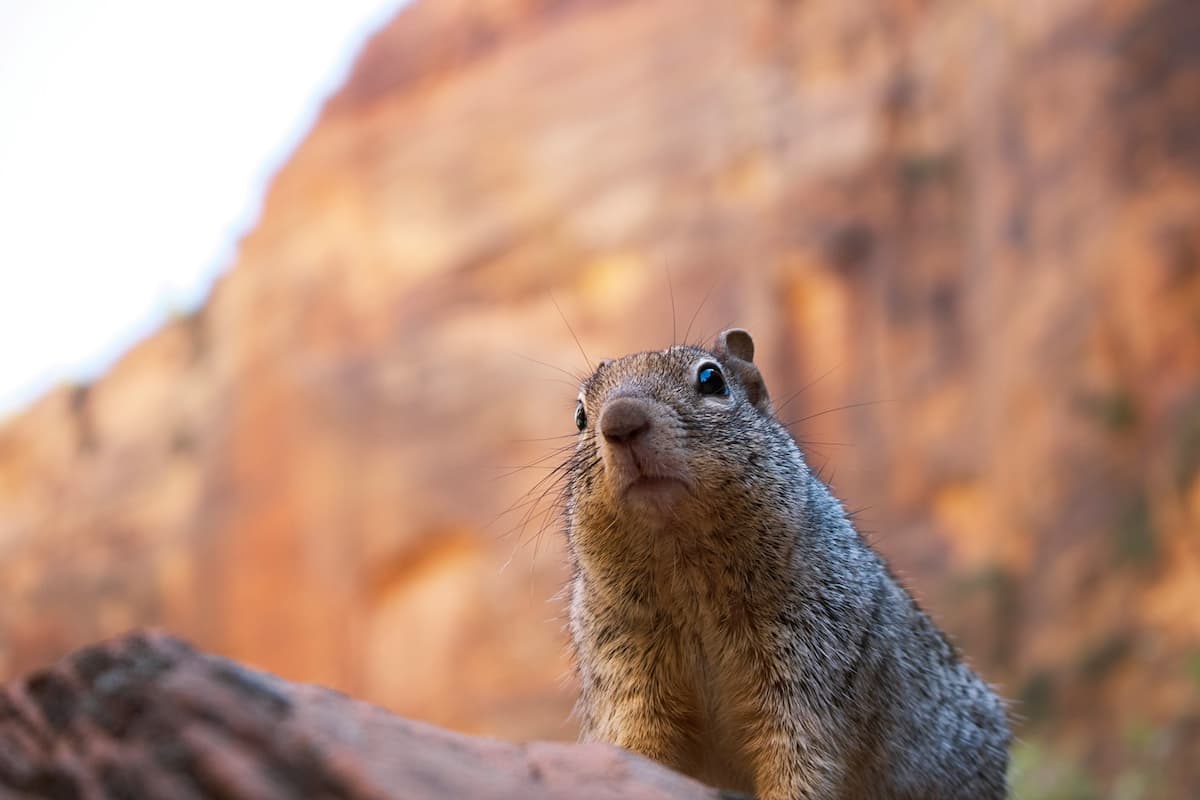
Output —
<point x="966" y="238"/>
<point x="148" y="716"/>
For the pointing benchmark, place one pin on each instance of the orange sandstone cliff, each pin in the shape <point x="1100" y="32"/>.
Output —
<point x="965" y="236"/>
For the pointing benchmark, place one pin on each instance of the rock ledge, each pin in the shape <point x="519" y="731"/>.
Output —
<point x="147" y="715"/>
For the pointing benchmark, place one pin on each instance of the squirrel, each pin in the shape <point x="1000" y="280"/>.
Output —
<point x="727" y="619"/>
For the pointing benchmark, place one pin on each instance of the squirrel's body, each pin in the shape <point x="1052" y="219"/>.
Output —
<point x="727" y="618"/>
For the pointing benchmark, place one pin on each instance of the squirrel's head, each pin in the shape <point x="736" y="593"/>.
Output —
<point x="671" y="437"/>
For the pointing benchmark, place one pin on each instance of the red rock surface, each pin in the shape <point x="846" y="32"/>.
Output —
<point x="970" y="233"/>
<point x="148" y="716"/>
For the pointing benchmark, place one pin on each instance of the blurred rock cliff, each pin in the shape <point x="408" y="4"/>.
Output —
<point x="965" y="236"/>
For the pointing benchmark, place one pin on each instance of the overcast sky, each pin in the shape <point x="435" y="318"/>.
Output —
<point x="137" y="139"/>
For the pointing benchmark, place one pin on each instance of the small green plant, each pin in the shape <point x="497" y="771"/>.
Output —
<point x="1193" y="667"/>
<point x="1001" y="591"/>
<point x="1037" y="696"/>
<point x="1116" y="411"/>
<point x="1038" y="773"/>
<point x="1141" y="777"/>
<point x="1187" y="449"/>
<point x="1135" y="537"/>
<point x="918" y="170"/>
<point x="1100" y="659"/>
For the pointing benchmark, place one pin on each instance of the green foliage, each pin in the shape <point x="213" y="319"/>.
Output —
<point x="1001" y="591"/>
<point x="1037" y="773"/>
<point x="1116" y="411"/>
<point x="1144" y="757"/>
<point x="1132" y="784"/>
<point x="919" y="170"/>
<point x="1134" y="535"/>
<point x="1138" y="736"/>
<point x="1037" y="696"/>
<point x="1187" y="450"/>
<point x="1040" y="771"/>
<point x="1193" y="667"/>
<point x="1101" y="658"/>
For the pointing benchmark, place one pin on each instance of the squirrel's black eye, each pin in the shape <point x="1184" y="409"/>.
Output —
<point x="710" y="381"/>
<point x="580" y="416"/>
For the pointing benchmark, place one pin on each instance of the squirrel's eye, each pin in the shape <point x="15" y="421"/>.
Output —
<point x="710" y="381"/>
<point x="580" y="416"/>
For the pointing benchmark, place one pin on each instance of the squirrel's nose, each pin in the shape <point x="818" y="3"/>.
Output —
<point x="623" y="420"/>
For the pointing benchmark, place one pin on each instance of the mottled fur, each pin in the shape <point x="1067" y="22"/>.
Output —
<point x="731" y="622"/>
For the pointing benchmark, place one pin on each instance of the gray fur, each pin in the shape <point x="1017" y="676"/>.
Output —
<point x="735" y="626"/>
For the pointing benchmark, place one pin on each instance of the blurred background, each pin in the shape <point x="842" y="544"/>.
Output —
<point x="966" y="238"/>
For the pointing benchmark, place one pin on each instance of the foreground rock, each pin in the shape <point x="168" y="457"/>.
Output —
<point x="148" y="716"/>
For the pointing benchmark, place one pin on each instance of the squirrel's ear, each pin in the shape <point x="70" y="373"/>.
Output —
<point x="736" y="349"/>
<point x="736" y="342"/>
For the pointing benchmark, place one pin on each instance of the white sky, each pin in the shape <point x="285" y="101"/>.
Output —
<point x="137" y="139"/>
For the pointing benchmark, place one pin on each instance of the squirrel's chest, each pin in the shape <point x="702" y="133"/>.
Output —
<point x="694" y="643"/>
<point x="711" y="673"/>
<point x="709" y="642"/>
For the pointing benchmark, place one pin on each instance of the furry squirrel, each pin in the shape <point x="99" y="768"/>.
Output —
<point x="729" y="621"/>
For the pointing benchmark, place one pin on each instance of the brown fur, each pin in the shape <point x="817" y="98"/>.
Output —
<point x="727" y="619"/>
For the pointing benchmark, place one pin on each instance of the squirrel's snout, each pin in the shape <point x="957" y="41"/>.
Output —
<point x="643" y="458"/>
<point x="624" y="420"/>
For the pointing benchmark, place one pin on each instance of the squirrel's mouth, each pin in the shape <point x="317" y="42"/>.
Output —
<point x="648" y="493"/>
<point x="654" y="499"/>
